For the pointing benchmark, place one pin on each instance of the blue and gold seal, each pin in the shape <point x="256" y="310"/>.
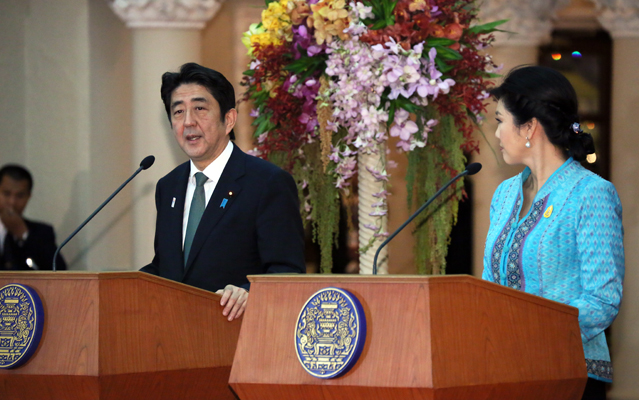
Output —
<point x="21" y="323"/>
<point x="330" y="333"/>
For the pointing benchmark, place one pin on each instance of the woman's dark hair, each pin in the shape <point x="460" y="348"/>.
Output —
<point x="530" y="92"/>
<point x="216" y="84"/>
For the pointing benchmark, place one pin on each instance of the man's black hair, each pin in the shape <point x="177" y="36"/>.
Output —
<point x="17" y="173"/>
<point x="219" y="87"/>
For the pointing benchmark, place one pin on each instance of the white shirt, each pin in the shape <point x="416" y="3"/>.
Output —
<point x="3" y="235"/>
<point x="213" y="171"/>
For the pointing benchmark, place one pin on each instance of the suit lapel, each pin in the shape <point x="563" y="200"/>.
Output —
<point x="222" y="199"/>
<point x="176" y="213"/>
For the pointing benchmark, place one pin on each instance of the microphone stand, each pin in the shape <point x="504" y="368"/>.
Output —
<point x="146" y="163"/>
<point x="470" y="170"/>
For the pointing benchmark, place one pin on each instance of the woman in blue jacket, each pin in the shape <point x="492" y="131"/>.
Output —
<point x="555" y="229"/>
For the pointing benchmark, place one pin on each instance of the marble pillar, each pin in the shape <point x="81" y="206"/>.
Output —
<point x="621" y="19"/>
<point x="166" y="34"/>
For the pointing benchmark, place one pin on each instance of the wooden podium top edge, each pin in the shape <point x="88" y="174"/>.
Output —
<point x="332" y="279"/>
<point x="109" y="275"/>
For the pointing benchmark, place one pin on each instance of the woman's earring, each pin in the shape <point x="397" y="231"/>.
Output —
<point x="527" y="142"/>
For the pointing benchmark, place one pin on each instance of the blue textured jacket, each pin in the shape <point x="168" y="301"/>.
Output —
<point x="568" y="248"/>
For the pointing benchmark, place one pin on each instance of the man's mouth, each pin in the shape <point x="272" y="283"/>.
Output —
<point x="192" y="137"/>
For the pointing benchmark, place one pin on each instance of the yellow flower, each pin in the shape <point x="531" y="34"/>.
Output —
<point x="270" y="87"/>
<point x="264" y="39"/>
<point x="277" y="21"/>
<point x="247" y="37"/>
<point x="417" y="5"/>
<point x="329" y="19"/>
<point x="275" y="17"/>
<point x="334" y="11"/>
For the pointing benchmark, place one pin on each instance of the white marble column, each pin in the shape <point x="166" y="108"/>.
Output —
<point x="621" y="19"/>
<point x="166" y="34"/>
<point x="530" y="24"/>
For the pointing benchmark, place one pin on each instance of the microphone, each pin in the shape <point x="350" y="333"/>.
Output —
<point x="472" y="169"/>
<point x="145" y="164"/>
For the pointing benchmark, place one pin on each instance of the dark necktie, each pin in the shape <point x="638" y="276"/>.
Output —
<point x="2" y="251"/>
<point x="6" y="256"/>
<point x="198" y="204"/>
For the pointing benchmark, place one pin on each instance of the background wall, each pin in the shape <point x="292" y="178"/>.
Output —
<point x="73" y="89"/>
<point x="66" y="97"/>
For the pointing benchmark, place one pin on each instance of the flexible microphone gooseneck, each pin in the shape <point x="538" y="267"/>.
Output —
<point x="472" y="169"/>
<point x="145" y="164"/>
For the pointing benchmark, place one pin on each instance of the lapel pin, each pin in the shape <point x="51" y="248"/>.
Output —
<point x="230" y="194"/>
<point x="173" y="203"/>
<point x="548" y="212"/>
<point x="224" y="201"/>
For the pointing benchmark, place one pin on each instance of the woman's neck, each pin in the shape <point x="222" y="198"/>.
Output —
<point x="543" y="163"/>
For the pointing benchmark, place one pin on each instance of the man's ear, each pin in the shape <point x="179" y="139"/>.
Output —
<point x="230" y="119"/>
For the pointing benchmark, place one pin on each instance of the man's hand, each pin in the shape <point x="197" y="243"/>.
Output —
<point x="13" y="222"/>
<point x="235" y="299"/>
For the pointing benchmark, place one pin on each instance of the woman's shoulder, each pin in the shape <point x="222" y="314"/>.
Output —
<point x="588" y="179"/>
<point x="591" y="187"/>
<point x="509" y="184"/>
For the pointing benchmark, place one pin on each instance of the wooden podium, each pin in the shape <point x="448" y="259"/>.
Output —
<point x="449" y="337"/>
<point x="126" y="335"/>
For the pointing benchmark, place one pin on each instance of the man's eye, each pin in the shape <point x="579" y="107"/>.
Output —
<point x="176" y="112"/>
<point x="199" y="108"/>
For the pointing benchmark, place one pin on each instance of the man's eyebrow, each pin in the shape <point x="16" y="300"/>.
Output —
<point x="194" y="99"/>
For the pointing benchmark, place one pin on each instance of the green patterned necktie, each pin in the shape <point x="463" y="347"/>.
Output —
<point x="198" y="204"/>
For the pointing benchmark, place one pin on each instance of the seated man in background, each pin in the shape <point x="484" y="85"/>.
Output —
<point x="24" y="244"/>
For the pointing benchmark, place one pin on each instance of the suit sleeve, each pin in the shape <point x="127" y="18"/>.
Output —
<point x="280" y="233"/>
<point x="40" y="246"/>
<point x="153" y="267"/>
<point x="601" y="255"/>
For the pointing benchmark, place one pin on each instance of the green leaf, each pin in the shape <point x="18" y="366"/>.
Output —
<point x="401" y="102"/>
<point x="442" y="66"/>
<point x="448" y="54"/>
<point x="305" y="66"/>
<point x="248" y="72"/>
<point x="261" y="118"/>
<point x="391" y="114"/>
<point x="381" y="24"/>
<point x="433" y="41"/>
<point x="488" y="27"/>
<point x="265" y="126"/>
<point x="261" y="128"/>
<point x="259" y="98"/>
<point x="383" y="13"/>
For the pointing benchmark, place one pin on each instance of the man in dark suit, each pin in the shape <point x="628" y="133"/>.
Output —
<point x="224" y="214"/>
<point x="24" y="244"/>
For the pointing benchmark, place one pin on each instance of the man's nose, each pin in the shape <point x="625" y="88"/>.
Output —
<point x="10" y="201"/>
<point x="188" y="119"/>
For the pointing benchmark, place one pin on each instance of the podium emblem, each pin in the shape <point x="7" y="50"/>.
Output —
<point x="330" y="333"/>
<point x="21" y="323"/>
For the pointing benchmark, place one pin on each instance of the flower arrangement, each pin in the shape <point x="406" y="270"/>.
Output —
<point x="332" y="80"/>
